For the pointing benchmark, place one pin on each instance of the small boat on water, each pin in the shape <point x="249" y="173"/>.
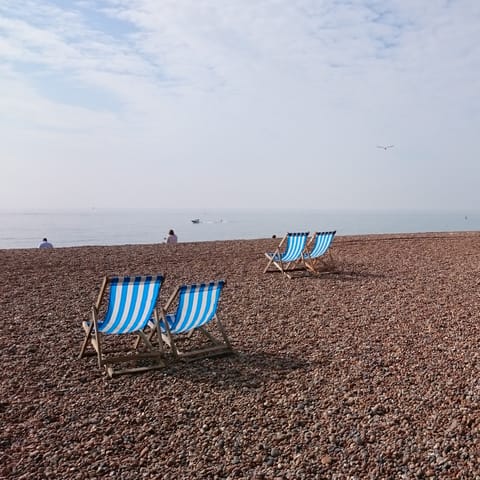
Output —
<point x="196" y="220"/>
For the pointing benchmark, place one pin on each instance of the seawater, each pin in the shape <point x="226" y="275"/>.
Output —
<point x="25" y="229"/>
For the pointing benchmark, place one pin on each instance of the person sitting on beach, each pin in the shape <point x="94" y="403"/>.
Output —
<point x="172" y="238"/>
<point x="45" y="244"/>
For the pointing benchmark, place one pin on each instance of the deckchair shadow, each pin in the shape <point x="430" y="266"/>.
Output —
<point x="132" y="303"/>
<point x="195" y="316"/>
<point x="346" y="272"/>
<point x="286" y="260"/>
<point x="243" y="370"/>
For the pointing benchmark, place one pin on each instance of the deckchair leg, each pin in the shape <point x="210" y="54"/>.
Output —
<point x="278" y="265"/>
<point x="88" y="330"/>
<point x="159" y="333"/>
<point x="155" y="331"/>
<point x="146" y="340"/>
<point x="111" y="372"/>
<point x="87" y="339"/>
<point x="167" y="338"/>
<point x="269" y="263"/>
<point x="175" y="351"/>
<point x="272" y="257"/>
<point x="97" y="343"/>
<point x="207" y="334"/>
<point x="222" y="331"/>
<point x="213" y="340"/>
<point x="283" y="269"/>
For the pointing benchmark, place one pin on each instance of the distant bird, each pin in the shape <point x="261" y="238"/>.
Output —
<point x="385" y="146"/>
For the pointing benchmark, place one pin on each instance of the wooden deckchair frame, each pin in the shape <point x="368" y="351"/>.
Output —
<point x="284" y="267"/>
<point x="322" y="264"/>
<point x="108" y="360"/>
<point x="216" y="347"/>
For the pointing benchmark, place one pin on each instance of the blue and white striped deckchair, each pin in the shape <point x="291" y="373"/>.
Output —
<point x="197" y="307"/>
<point x="132" y="303"/>
<point x="319" y="257"/>
<point x="296" y="243"/>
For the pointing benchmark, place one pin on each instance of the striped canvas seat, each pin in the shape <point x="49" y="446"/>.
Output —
<point x="132" y="303"/>
<point x="294" y="248"/>
<point x="197" y="307"/>
<point x="319" y="254"/>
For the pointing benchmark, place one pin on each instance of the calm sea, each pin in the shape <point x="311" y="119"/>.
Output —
<point x="25" y="229"/>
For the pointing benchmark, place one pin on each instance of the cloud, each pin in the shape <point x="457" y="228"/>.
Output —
<point x="248" y="91"/>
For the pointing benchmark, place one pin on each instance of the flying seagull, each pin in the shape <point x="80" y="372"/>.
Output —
<point x="385" y="146"/>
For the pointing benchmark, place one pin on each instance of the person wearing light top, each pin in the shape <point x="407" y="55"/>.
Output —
<point x="45" y="244"/>
<point x="172" y="238"/>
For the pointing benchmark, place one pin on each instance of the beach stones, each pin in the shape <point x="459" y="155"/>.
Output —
<point x="370" y="372"/>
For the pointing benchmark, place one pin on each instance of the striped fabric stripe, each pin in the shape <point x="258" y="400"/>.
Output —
<point x="295" y="245"/>
<point x="196" y="306"/>
<point x="131" y="303"/>
<point x="323" y="241"/>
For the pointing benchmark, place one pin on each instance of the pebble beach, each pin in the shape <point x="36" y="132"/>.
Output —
<point x="367" y="372"/>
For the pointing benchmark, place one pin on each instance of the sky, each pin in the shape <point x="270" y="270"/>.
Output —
<point x="240" y="104"/>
